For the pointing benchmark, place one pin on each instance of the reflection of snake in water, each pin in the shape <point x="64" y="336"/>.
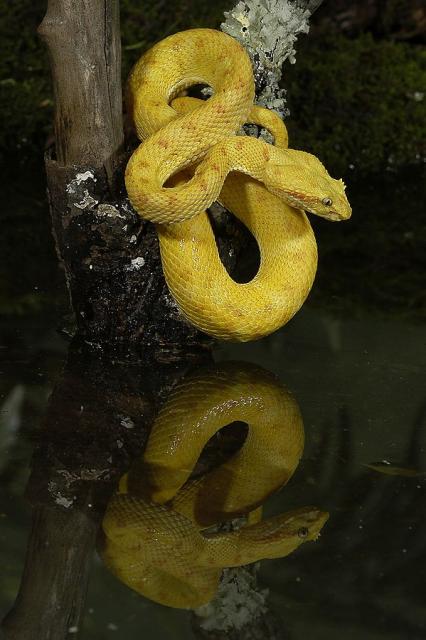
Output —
<point x="156" y="540"/>
<point x="268" y="187"/>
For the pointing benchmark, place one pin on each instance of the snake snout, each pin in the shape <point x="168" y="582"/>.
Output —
<point x="309" y="521"/>
<point x="336" y="216"/>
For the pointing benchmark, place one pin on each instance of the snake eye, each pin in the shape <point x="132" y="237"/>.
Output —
<point x="303" y="532"/>
<point x="327" y="202"/>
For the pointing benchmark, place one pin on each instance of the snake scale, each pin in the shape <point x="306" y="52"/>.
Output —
<point x="190" y="156"/>
<point x="157" y="529"/>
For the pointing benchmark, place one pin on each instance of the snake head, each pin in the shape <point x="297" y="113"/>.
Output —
<point x="303" y="182"/>
<point x="286" y="532"/>
<point x="305" y="523"/>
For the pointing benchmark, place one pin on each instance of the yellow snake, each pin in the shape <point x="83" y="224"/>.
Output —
<point x="157" y="539"/>
<point x="268" y="187"/>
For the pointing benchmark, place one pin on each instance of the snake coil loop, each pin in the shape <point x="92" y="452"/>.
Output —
<point x="190" y="156"/>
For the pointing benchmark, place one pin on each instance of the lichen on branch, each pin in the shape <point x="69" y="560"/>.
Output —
<point x="269" y="29"/>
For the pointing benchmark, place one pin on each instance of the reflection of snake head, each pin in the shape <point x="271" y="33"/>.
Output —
<point x="305" y="184"/>
<point x="305" y="522"/>
<point x="281" y="535"/>
<point x="169" y="552"/>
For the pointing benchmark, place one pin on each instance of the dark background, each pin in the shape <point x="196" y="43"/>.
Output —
<point x="357" y="101"/>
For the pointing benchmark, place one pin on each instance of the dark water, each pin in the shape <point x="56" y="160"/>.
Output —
<point x="360" y="388"/>
<point x="73" y="422"/>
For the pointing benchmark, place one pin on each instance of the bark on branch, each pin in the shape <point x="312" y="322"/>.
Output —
<point x="110" y="256"/>
<point x="83" y="38"/>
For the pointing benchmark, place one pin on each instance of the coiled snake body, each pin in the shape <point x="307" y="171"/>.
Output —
<point x="268" y="187"/>
<point x="156" y="528"/>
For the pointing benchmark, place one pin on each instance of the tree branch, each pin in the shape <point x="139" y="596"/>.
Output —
<point x="110" y="256"/>
<point x="83" y="38"/>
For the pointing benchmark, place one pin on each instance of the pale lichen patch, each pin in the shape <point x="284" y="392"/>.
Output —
<point x="86" y="175"/>
<point x="87" y="202"/>
<point x="81" y="189"/>
<point x="79" y="178"/>
<point x="237" y="604"/>
<point x="135" y="264"/>
<point x="109" y="210"/>
<point x="268" y="29"/>
<point x="127" y="422"/>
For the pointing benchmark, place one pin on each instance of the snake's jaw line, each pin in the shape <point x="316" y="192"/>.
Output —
<point x="244" y="173"/>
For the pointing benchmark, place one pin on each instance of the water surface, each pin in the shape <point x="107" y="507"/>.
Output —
<point x="359" y="385"/>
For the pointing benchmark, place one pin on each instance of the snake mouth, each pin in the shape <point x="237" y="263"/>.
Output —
<point x="336" y="217"/>
<point x="331" y="216"/>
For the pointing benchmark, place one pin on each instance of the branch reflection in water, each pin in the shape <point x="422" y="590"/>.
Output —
<point x="177" y="518"/>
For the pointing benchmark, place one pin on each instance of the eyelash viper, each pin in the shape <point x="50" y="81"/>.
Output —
<point x="268" y="187"/>
<point x="156" y="528"/>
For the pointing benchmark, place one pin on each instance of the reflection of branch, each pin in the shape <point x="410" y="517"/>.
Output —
<point x="10" y="422"/>
<point x="54" y="583"/>
<point x="97" y="420"/>
<point x="239" y="610"/>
